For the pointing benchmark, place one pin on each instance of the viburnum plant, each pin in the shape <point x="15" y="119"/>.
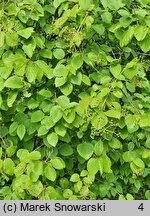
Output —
<point x="74" y="99"/>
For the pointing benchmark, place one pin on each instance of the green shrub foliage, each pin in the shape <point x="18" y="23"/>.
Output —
<point x="75" y="99"/>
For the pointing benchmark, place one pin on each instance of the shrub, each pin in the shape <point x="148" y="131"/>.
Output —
<point x="74" y="99"/>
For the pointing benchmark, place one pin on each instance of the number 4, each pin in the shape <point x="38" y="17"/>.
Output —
<point x="141" y="207"/>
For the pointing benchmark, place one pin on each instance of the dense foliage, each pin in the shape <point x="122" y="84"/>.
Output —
<point x="74" y="99"/>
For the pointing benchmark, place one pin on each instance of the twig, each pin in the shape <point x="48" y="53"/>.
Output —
<point x="81" y="24"/>
<point x="136" y="109"/>
<point x="106" y="98"/>
<point x="145" y="54"/>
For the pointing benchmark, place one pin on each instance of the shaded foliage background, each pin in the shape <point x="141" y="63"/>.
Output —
<point x="74" y="99"/>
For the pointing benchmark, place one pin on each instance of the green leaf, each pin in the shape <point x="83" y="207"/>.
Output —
<point x="112" y="4"/>
<point x="132" y="63"/>
<point x="21" y="130"/>
<point x="129" y="197"/>
<point x="115" y="143"/>
<point x="2" y="38"/>
<point x="116" y="71"/>
<point x="46" y="70"/>
<point x="129" y="156"/>
<point x="35" y="155"/>
<point x="5" y="73"/>
<point x="75" y="177"/>
<point x="105" y="92"/>
<point x="32" y="103"/>
<point x="23" y="154"/>
<point x="50" y="193"/>
<point x="3" y="131"/>
<point x="100" y="164"/>
<point x="36" y="166"/>
<point x="56" y="3"/>
<point x="66" y="149"/>
<point x="113" y="113"/>
<point x="8" y="166"/>
<point x="13" y="127"/>
<point x="10" y="151"/>
<point x="60" y="129"/>
<point x="39" y="39"/>
<point x="84" y="4"/>
<point x="117" y="93"/>
<point x="26" y="33"/>
<point x="59" y="53"/>
<point x="33" y="175"/>
<point x="140" y="32"/>
<point x="35" y="189"/>
<point x="76" y="79"/>
<point x="64" y="183"/>
<point x="130" y="87"/>
<point x="146" y="153"/>
<point x="46" y="53"/>
<point x="130" y="72"/>
<point x="31" y="72"/>
<point x="69" y="118"/>
<point x="99" y="28"/>
<point x="85" y="150"/>
<point x="145" y="120"/>
<point x="37" y="116"/>
<point x="67" y="88"/>
<point x="1" y="152"/>
<point x="60" y="81"/>
<point x="56" y="113"/>
<point x="60" y="71"/>
<point x="136" y="170"/>
<point x="144" y="44"/>
<point x="45" y="93"/>
<point x="57" y="163"/>
<point x="86" y="80"/>
<point x="77" y="61"/>
<point x="89" y="21"/>
<point x="13" y="82"/>
<point x="98" y="148"/>
<point x="2" y="83"/>
<point x="84" y="173"/>
<point x="147" y="194"/>
<point x="1" y="100"/>
<point x="12" y="9"/>
<point x="21" y="182"/>
<point x="147" y="143"/>
<point x="121" y="197"/>
<point x="34" y="170"/>
<point x="52" y="139"/>
<point x="106" y="17"/>
<point x="67" y="193"/>
<point x="42" y="130"/>
<point x="1" y="165"/>
<point x="131" y="123"/>
<point x="50" y="173"/>
<point x="106" y="164"/>
<point x="12" y="39"/>
<point x="63" y="101"/>
<point x="98" y="121"/>
<point x="19" y="68"/>
<point x="127" y="36"/>
<point x="22" y="16"/>
<point x="47" y="122"/>
<point x="29" y="47"/>
<point x="11" y="97"/>
<point x="139" y="163"/>
<point x="92" y="166"/>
